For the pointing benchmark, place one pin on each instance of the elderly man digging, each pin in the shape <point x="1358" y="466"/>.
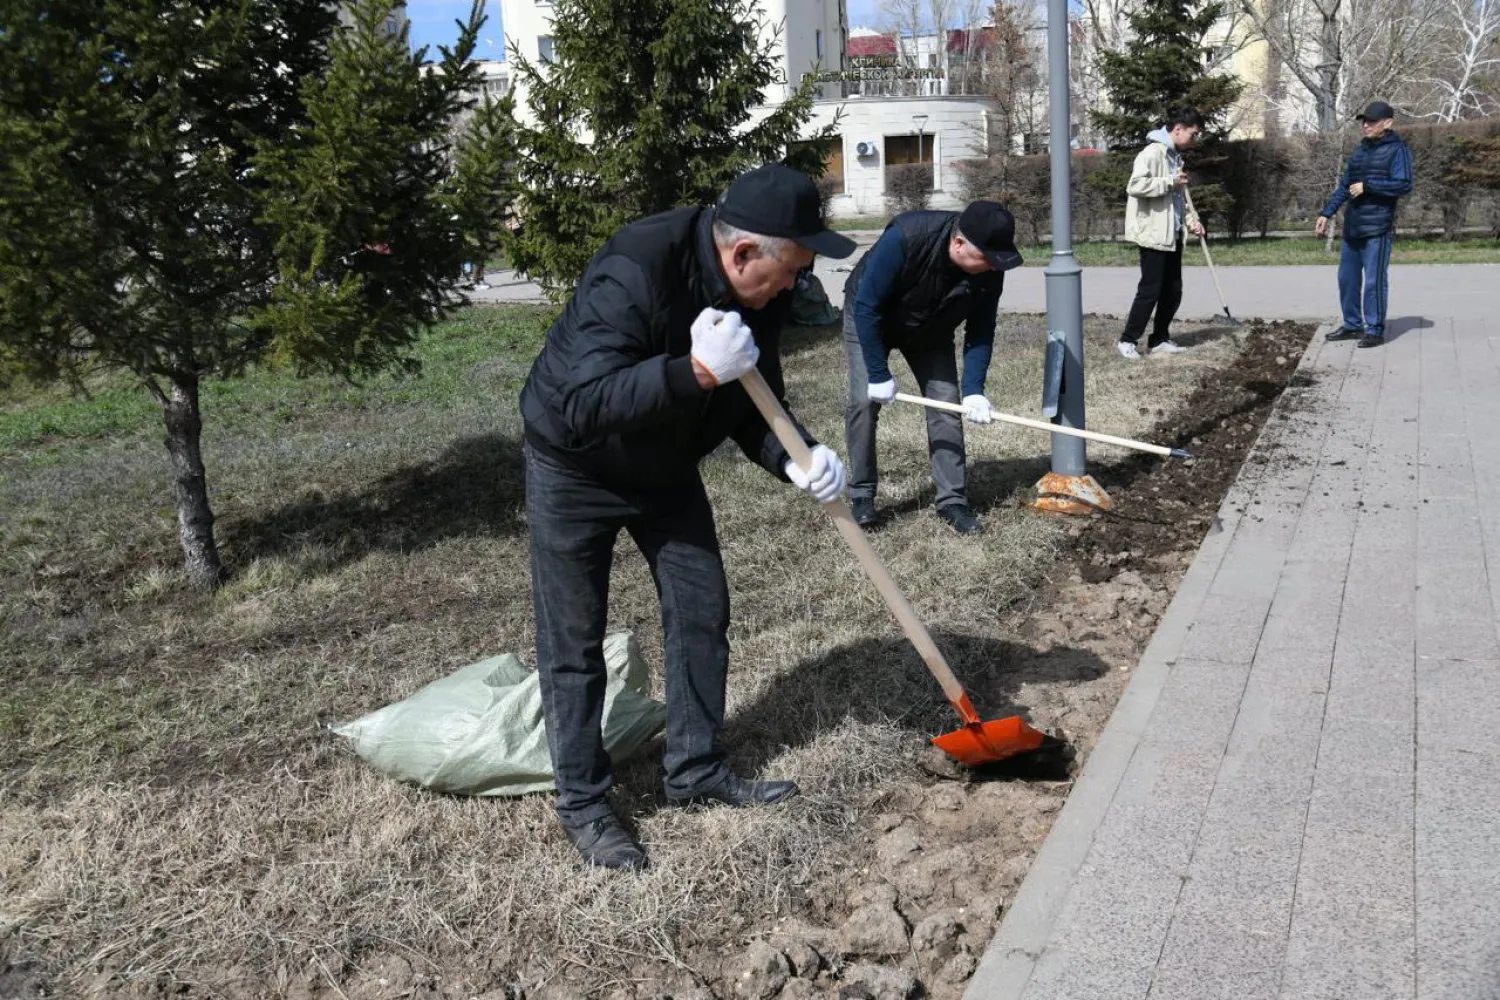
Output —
<point x="634" y="386"/>
<point x="928" y="272"/>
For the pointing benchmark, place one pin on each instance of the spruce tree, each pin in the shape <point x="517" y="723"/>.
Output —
<point x="1160" y="70"/>
<point x="646" y="106"/>
<point x="192" y="187"/>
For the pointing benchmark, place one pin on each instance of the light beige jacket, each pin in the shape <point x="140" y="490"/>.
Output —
<point x="1154" y="210"/>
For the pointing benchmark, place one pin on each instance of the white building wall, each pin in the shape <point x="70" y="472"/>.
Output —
<point x="955" y="126"/>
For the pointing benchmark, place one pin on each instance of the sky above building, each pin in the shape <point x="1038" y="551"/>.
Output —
<point x="432" y="23"/>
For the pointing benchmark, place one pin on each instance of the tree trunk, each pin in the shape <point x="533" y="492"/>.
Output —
<point x="195" y="520"/>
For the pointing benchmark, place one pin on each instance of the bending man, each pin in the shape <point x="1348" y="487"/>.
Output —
<point x="928" y="272"/>
<point x="633" y="387"/>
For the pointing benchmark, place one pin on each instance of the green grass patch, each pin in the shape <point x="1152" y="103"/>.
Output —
<point x="36" y="422"/>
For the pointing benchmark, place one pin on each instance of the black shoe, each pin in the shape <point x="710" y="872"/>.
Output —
<point x="605" y="842"/>
<point x="1370" y="340"/>
<point x="738" y="792"/>
<point x="864" y="511"/>
<point x="1342" y="333"/>
<point x="958" y="517"/>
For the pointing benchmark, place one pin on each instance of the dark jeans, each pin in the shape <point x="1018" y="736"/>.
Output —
<point x="574" y="520"/>
<point x="936" y="371"/>
<point x="1160" y="289"/>
<point x="1364" y="282"/>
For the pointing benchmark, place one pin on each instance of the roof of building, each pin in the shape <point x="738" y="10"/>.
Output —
<point x="871" y="45"/>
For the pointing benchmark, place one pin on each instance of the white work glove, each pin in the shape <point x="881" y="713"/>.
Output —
<point x="825" y="480"/>
<point x="977" y="410"/>
<point x="883" y="393"/>
<point x="723" y="345"/>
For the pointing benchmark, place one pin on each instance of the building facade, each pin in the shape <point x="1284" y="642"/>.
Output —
<point x="879" y="126"/>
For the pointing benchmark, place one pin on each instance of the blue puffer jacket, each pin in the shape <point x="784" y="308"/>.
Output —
<point x="1384" y="165"/>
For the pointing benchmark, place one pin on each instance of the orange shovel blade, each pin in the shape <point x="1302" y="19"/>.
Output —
<point x="986" y="742"/>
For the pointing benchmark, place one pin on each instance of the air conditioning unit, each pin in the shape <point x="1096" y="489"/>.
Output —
<point x="867" y="147"/>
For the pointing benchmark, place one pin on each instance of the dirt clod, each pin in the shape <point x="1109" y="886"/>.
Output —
<point x="882" y="982"/>
<point x="763" y="971"/>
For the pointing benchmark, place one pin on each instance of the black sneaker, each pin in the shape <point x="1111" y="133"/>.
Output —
<point x="864" y="511"/>
<point x="1370" y="340"/>
<point x="605" y="842"/>
<point x="738" y="792"/>
<point x="1343" y="333"/>
<point x="958" y="517"/>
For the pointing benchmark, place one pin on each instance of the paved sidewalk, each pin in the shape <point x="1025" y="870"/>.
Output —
<point x="1267" y="292"/>
<point x="1298" y="795"/>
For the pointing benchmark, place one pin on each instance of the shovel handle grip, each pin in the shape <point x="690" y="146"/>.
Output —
<point x="786" y="432"/>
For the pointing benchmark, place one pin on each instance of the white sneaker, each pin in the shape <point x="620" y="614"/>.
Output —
<point x="1168" y="347"/>
<point x="1128" y="350"/>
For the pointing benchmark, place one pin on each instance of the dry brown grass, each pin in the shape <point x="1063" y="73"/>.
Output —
<point x="175" y="814"/>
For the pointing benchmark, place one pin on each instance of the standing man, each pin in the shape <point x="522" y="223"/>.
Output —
<point x="1378" y="173"/>
<point x="634" y="385"/>
<point x="928" y="272"/>
<point x="1155" y="215"/>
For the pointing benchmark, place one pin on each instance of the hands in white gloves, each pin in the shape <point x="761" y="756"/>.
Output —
<point x="883" y="392"/>
<point x="977" y="409"/>
<point x="824" y="480"/>
<point x="723" y="345"/>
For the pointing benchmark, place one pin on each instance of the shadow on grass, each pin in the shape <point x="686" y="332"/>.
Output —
<point x="475" y="487"/>
<point x="1212" y="331"/>
<point x="880" y="681"/>
<point x="797" y="340"/>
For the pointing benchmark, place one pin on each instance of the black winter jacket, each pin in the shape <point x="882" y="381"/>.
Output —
<point x="613" y="392"/>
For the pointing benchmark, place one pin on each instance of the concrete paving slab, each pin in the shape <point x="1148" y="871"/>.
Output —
<point x="1457" y="874"/>
<point x="1346" y="842"/>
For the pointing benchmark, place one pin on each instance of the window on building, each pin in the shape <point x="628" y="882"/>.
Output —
<point x="544" y="48"/>
<point x="901" y="149"/>
<point x="905" y="149"/>
<point x="833" y="164"/>
<point x="818" y="42"/>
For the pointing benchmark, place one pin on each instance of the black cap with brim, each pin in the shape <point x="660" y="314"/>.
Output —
<point x="775" y="200"/>
<point x="1004" y="260"/>
<point x="991" y="229"/>
<point x="1378" y="111"/>
<point x="825" y="243"/>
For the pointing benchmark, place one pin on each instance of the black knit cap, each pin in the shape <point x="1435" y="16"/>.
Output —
<point x="775" y="200"/>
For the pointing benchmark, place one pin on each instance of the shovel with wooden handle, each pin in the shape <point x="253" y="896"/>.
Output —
<point x="1203" y="242"/>
<point x="1042" y="425"/>
<point x="978" y="742"/>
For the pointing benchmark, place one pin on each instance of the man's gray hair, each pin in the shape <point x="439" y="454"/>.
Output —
<point x="726" y="235"/>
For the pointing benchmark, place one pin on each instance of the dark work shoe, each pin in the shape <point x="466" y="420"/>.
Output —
<point x="605" y="842"/>
<point x="1370" y="340"/>
<point x="738" y="792"/>
<point x="958" y="517"/>
<point x="864" y="511"/>
<point x="1343" y="333"/>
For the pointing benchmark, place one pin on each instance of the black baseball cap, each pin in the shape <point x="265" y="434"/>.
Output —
<point x="993" y="230"/>
<point x="775" y="200"/>
<point x="1378" y="111"/>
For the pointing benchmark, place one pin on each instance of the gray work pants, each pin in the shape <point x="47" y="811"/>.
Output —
<point x="936" y="371"/>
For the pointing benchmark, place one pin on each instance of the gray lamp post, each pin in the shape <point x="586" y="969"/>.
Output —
<point x="921" y="121"/>
<point x="1068" y="488"/>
